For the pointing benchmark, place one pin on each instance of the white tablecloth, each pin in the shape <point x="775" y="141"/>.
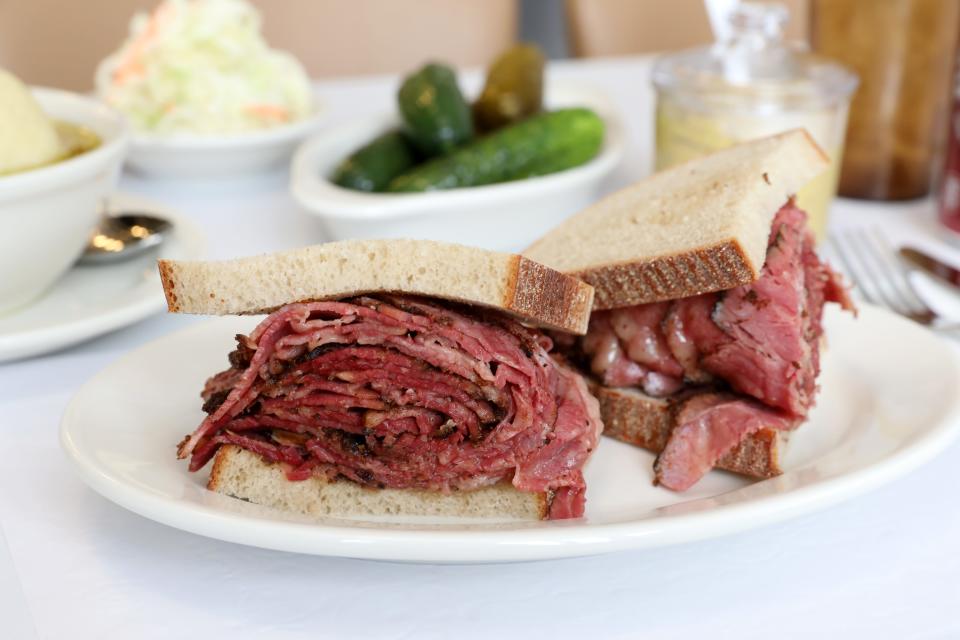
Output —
<point x="886" y="565"/>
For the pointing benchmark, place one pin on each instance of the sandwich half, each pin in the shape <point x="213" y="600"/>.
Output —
<point x="705" y="338"/>
<point x="393" y="377"/>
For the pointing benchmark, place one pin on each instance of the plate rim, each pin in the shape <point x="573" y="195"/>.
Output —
<point x="540" y="540"/>
<point x="26" y="344"/>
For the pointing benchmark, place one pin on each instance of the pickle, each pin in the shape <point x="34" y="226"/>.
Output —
<point x="513" y="90"/>
<point x="546" y="143"/>
<point x="373" y="166"/>
<point x="437" y="117"/>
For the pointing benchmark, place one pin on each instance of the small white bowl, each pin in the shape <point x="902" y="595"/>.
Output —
<point x="202" y="156"/>
<point x="218" y="156"/>
<point x="47" y="214"/>
<point x="506" y="216"/>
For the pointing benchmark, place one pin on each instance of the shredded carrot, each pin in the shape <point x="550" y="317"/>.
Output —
<point x="269" y="112"/>
<point x="131" y="65"/>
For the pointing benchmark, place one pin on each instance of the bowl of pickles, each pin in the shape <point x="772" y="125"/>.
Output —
<point x="496" y="171"/>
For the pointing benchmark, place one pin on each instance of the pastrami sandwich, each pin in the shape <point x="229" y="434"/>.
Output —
<point x="705" y="338"/>
<point x="393" y="377"/>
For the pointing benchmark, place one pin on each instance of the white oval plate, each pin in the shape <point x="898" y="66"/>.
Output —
<point x="89" y="301"/>
<point x="889" y="403"/>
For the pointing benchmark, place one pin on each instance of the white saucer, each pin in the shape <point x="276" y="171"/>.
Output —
<point x="889" y="403"/>
<point x="92" y="300"/>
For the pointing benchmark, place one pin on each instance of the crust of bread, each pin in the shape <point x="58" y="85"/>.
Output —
<point x="513" y="284"/>
<point x="698" y="227"/>
<point x="633" y="417"/>
<point x="239" y="473"/>
<point x="714" y="268"/>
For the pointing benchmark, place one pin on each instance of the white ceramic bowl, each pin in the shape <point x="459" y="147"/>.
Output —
<point x="217" y="156"/>
<point x="507" y="216"/>
<point x="204" y="156"/>
<point x="47" y="214"/>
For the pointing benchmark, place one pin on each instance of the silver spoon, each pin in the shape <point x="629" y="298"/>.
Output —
<point x="123" y="236"/>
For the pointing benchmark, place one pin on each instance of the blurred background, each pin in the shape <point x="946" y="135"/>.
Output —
<point x="332" y="37"/>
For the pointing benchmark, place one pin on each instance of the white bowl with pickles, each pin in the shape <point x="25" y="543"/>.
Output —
<point x="372" y="178"/>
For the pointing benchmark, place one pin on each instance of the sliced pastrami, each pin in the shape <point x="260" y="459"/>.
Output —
<point x="397" y="392"/>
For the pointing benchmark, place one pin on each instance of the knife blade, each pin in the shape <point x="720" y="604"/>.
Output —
<point x="925" y="262"/>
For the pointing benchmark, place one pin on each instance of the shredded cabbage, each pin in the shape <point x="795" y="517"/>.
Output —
<point x="202" y="66"/>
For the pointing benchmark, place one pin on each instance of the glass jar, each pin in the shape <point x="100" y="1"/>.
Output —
<point x="748" y="85"/>
<point x="904" y="52"/>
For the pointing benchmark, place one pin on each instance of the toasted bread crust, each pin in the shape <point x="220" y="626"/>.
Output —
<point x="714" y="268"/>
<point x="515" y="285"/>
<point x="550" y="296"/>
<point x="168" y="281"/>
<point x="241" y="474"/>
<point x="634" y="418"/>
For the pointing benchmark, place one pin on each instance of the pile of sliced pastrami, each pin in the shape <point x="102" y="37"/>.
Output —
<point x="754" y="349"/>
<point x="396" y="392"/>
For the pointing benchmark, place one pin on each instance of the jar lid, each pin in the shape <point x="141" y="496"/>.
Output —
<point x="752" y="64"/>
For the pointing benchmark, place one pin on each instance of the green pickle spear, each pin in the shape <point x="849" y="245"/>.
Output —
<point x="545" y="143"/>
<point x="373" y="166"/>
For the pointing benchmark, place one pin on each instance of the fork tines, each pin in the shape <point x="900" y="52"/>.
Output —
<point x="873" y="266"/>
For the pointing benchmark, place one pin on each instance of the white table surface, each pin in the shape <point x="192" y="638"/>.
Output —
<point x="886" y="565"/>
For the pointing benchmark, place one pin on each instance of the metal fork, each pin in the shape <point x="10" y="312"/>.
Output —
<point x="881" y="277"/>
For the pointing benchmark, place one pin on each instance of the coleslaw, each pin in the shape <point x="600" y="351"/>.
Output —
<point x="202" y="66"/>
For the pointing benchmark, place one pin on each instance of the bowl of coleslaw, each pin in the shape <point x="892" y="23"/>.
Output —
<point x="204" y="94"/>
